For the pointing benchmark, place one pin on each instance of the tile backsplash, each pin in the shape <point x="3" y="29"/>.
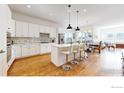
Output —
<point x="17" y="40"/>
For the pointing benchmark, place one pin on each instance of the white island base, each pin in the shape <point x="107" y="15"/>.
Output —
<point x="57" y="58"/>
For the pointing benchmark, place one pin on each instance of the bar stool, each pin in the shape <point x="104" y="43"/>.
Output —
<point x="85" y="50"/>
<point x="81" y="49"/>
<point x="75" y="49"/>
<point x="66" y="52"/>
<point x="122" y="60"/>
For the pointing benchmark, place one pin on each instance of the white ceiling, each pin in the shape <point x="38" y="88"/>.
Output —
<point x="97" y="14"/>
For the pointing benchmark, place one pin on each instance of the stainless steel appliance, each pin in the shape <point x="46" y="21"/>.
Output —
<point x="9" y="52"/>
<point x="60" y="38"/>
<point x="9" y="46"/>
<point x="45" y="37"/>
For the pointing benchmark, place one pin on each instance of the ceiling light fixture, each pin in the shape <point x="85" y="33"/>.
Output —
<point x="28" y="6"/>
<point x="77" y="29"/>
<point x="69" y="26"/>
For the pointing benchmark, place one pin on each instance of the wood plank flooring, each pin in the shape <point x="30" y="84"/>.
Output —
<point x="108" y="63"/>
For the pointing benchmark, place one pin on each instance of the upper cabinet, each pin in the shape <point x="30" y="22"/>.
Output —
<point x="24" y="29"/>
<point x="21" y="29"/>
<point x="53" y="32"/>
<point x="47" y="29"/>
<point x="18" y="29"/>
<point x="34" y="30"/>
<point x="50" y="30"/>
<point x="42" y="29"/>
<point x="12" y="27"/>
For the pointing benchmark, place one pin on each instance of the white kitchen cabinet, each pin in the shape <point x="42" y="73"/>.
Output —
<point x="18" y="29"/>
<point x="32" y="49"/>
<point x="42" y="29"/>
<point x="53" y="32"/>
<point x="45" y="48"/>
<point x="31" y="30"/>
<point x="12" y="27"/>
<point x="37" y="48"/>
<point x="50" y="30"/>
<point x="25" y="50"/>
<point x="34" y="30"/>
<point x="21" y="29"/>
<point x="24" y="29"/>
<point x="46" y="29"/>
<point x="18" y="50"/>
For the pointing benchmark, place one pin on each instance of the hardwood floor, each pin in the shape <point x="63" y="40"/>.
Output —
<point x="108" y="63"/>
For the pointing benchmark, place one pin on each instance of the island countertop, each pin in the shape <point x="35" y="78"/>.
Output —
<point x="64" y="45"/>
<point x="57" y="57"/>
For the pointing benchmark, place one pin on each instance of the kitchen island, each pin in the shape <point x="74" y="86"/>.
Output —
<point x="57" y="57"/>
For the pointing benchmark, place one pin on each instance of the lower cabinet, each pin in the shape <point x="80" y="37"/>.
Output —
<point x="32" y="49"/>
<point x="37" y="49"/>
<point x="45" y="48"/>
<point x="18" y="50"/>
<point x="25" y="50"/>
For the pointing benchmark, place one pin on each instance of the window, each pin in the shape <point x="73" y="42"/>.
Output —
<point x="120" y="36"/>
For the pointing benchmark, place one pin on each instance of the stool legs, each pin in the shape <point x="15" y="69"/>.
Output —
<point x="74" y="60"/>
<point x="66" y="58"/>
<point x="66" y="67"/>
<point x="81" y="58"/>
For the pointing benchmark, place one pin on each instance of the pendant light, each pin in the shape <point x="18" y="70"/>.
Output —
<point x="69" y="26"/>
<point x="77" y="29"/>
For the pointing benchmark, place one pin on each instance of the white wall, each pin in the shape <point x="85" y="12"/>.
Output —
<point x="22" y="17"/>
<point x="5" y="16"/>
<point x="4" y="13"/>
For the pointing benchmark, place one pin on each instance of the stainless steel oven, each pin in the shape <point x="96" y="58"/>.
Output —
<point x="9" y="52"/>
<point x="9" y="47"/>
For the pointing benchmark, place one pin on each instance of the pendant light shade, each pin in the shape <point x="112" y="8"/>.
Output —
<point x="77" y="29"/>
<point x="69" y="26"/>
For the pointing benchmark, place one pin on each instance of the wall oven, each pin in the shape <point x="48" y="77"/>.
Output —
<point x="9" y="52"/>
<point x="9" y="47"/>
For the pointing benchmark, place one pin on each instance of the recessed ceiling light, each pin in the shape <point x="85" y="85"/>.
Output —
<point x="28" y="6"/>
<point x="84" y="10"/>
